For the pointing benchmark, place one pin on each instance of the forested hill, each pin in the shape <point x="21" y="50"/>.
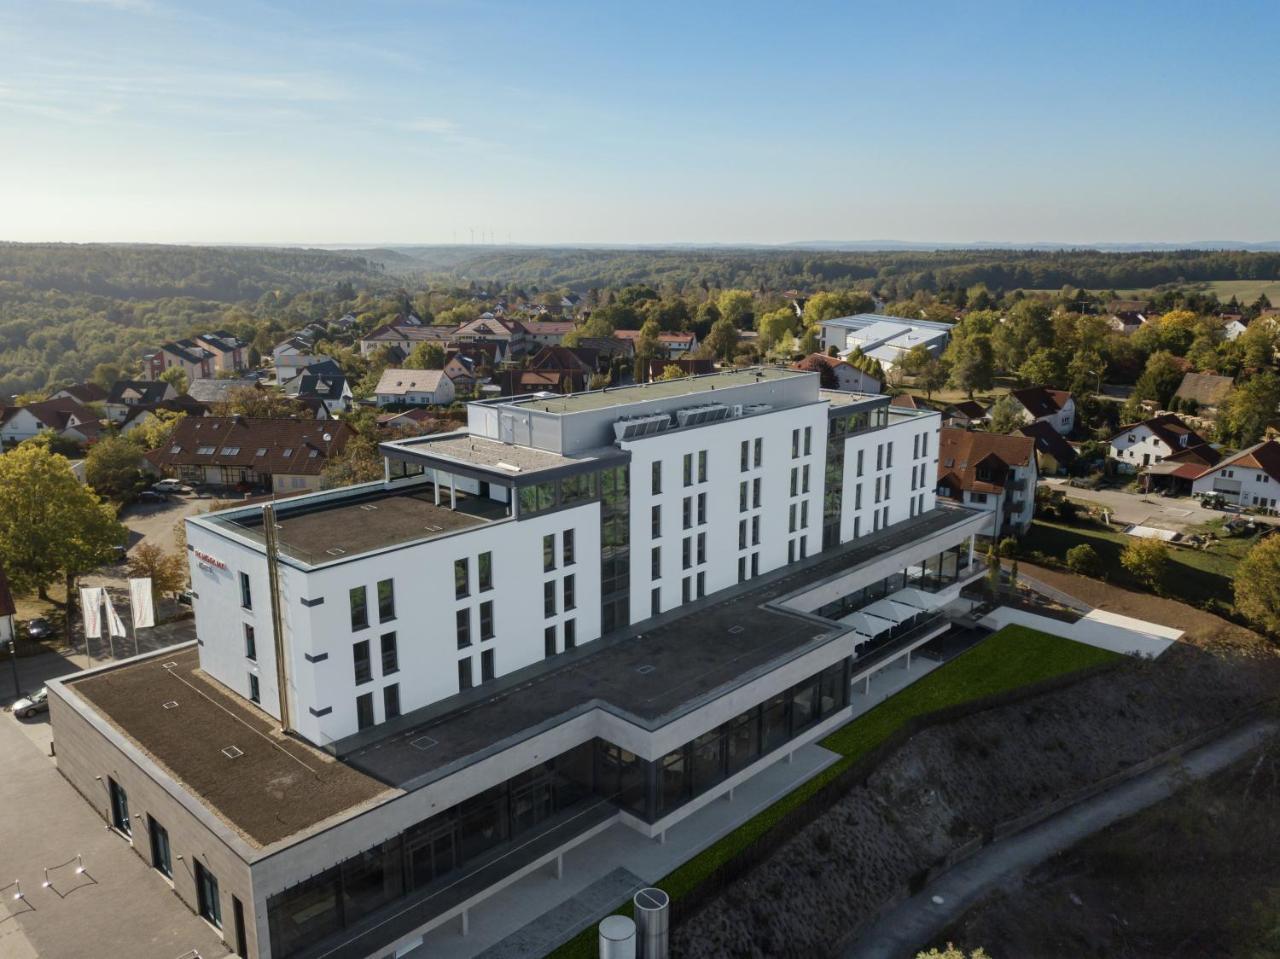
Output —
<point x="228" y="274"/>
<point x="894" y="274"/>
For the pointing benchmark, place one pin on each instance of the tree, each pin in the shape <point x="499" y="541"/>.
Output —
<point x="809" y="341"/>
<point x="933" y="376"/>
<point x="1006" y="415"/>
<point x="915" y="360"/>
<point x="111" y="467"/>
<point x="647" y="347"/>
<point x="723" y="338"/>
<point x="673" y="371"/>
<point x="176" y="377"/>
<point x="1160" y="378"/>
<point x="1249" y="408"/>
<point x="972" y="363"/>
<point x="50" y="524"/>
<point x="1083" y="559"/>
<point x="993" y="569"/>
<point x="778" y="327"/>
<point x="167" y="571"/>
<point x="1041" y="368"/>
<point x="738" y="307"/>
<point x="426" y="356"/>
<point x="1147" y="560"/>
<point x="829" y="305"/>
<point x="157" y="429"/>
<point x="1257" y="585"/>
<point x="250" y="401"/>
<point x="951" y="952"/>
<point x="105" y="375"/>
<point x="360" y="462"/>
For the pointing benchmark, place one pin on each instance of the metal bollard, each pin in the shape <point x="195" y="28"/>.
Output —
<point x="617" y="938"/>
<point x="653" y="920"/>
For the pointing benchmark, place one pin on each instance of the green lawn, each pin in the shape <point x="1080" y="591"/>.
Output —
<point x="1195" y="576"/>
<point x="1013" y="657"/>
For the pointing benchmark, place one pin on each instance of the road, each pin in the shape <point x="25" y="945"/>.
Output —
<point x="917" y="922"/>
<point x="1175" y="513"/>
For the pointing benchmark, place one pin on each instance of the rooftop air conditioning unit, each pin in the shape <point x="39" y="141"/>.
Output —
<point x="633" y="427"/>
<point x="706" y="413"/>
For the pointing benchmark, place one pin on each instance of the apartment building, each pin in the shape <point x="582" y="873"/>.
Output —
<point x="604" y="608"/>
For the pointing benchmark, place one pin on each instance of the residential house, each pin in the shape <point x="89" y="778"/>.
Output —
<point x="1233" y="325"/>
<point x="1054" y="454"/>
<point x="293" y="355"/>
<point x="547" y="332"/>
<point x="417" y="419"/>
<point x="908" y="401"/>
<point x="463" y="369"/>
<point x="323" y="388"/>
<point x="676" y="344"/>
<point x="139" y="416"/>
<point x="1178" y="471"/>
<point x="510" y="335"/>
<point x="404" y="338"/>
<point x="992" y="472"/>
<point x="83" y="393"/>
<point x="1142" y="444"/>
<point x="218" y="390"/>
<point x="1127" y="316"/>
<point x="965" y="414"/>
<point x="126" y="395"/>
<point x="1250" y="478"/>
<point x="187" y="355"/>
<point x="280" y="455"/>
<point x="413" y="388"/>
<point x="63" y="415"/>
<point x="554" y="369"/>
<point x="1202" y="392"/>
<point x="1055" y="407"/>
<point x="838" y="374"/>
<point x="230" y="353"/>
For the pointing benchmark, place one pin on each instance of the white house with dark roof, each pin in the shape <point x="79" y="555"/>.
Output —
<point x="1042" y="405"/>
<point x="1143" y="444"/>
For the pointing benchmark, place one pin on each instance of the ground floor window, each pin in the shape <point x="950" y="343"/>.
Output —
<point x="207" y="896"/>
<point x="119" y="807"/>
<point x="161" y="858"/>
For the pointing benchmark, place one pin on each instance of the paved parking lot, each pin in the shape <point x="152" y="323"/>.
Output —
<point x="1174" y="512"/>
<point x="118" y="906"/>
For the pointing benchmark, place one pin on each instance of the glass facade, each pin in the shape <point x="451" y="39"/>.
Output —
<point x="435" y="852"/>
<point x="615" y="550"/>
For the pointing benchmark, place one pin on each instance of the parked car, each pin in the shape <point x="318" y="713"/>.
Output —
<point x="32" y="703"/>
<point x="171" y="486"/>
<point x="39" y="628"/>
<point x="151" y="496"/>
<point x="186" y="597"/>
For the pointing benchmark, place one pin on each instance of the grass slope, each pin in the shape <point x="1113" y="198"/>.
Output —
<point x="1013" y="657"/>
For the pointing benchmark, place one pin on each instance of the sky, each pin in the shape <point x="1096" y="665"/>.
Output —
<point x="440" y="121"/>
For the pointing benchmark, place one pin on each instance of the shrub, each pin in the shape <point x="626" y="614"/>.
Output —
<point x="1083" y="559"/>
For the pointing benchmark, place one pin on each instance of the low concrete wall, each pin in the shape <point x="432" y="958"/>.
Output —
<point x="1120" y="634"/>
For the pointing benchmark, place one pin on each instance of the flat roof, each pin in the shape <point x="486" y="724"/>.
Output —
<point x="275" y="787"/>
<point x="323" y="530"/>
<point x="504" y="459"/>
<point x="656" y="390"/>
<point x="651" y="675"/>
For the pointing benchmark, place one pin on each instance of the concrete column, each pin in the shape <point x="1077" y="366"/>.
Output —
<point x="866" y="685"/>
<point x="464" y="920"/>
<point x="729" y="794"/>
<point x="908" y="660"/>
<point x="435" y="485"/>
<point x="557" y="866"/>
<point x="791" y="757"/>
<point x="453" y="492"/>
<point x="662" y="838"/>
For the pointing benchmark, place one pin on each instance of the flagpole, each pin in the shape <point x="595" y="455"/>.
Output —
<point x="110" y="639"/>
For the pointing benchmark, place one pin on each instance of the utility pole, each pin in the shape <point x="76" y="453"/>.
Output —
<point x="277" y="623"/>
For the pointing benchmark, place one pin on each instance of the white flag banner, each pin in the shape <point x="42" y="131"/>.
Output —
<point x="91" y="609"/>
<point x="113" y="618"/>
<point x="141" y="607"/>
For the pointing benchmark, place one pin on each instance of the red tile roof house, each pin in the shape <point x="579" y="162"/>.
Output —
<point x="838" y="374"/>
<point x="1250" y="478"/>
<point x="989" y="471"/>
<point x="1042" y="405"/>
<point x="235" y="451"/>
<point x="675" y="343"/>
<point x="64" y="416"/>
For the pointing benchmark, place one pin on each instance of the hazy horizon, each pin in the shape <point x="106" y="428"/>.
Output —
<point x="569" y="124"/>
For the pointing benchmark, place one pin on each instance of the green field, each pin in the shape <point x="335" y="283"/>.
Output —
<point x="1246" y="291"/>
<point x="1195" y="575"/>
<point x="1011" y="658"/>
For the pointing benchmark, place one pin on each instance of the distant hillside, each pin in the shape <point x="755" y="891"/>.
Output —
<point x="228" y="274"/>
<point x="896" y="273"/>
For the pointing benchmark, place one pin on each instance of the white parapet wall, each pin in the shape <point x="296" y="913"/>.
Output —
<point x="1120" y="634"/>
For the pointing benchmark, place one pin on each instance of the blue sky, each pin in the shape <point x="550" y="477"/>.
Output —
<point x="646" y="122"/>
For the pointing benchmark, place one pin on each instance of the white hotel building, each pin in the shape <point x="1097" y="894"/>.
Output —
<point x="607" y="607"/>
